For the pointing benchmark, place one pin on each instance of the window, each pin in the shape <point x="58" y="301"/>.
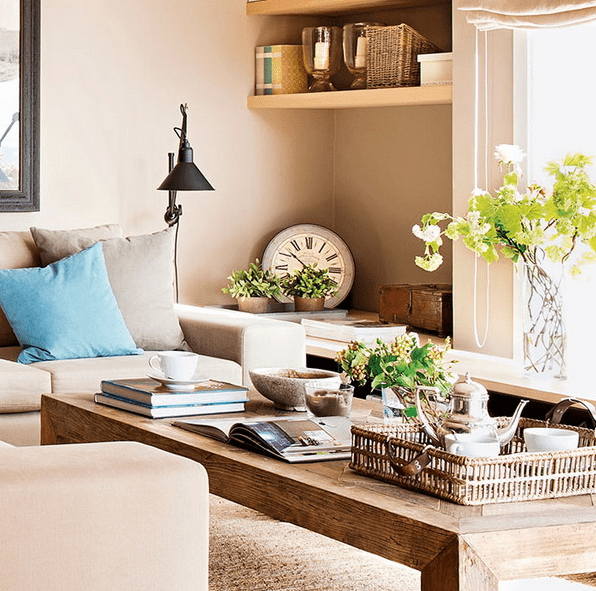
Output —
<point x="561" y="118"/>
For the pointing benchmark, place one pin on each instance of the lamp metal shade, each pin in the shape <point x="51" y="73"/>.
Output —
<point x="185" y="176"/>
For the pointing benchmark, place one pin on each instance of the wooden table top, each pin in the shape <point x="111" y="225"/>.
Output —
<point x="499" y="541"/>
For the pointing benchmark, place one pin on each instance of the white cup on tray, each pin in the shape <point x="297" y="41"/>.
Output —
<point x="469" y="445"/>
<point x="539" y="439"/>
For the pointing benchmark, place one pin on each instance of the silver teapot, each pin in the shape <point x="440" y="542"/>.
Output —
<point x="468" y="413"/>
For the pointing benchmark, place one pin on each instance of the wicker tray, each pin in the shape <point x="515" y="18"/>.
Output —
<point x="392" y="56"/>
<point x="515" y="475"/>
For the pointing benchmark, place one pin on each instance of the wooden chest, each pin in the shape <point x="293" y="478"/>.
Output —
<point x="422" y="306"/>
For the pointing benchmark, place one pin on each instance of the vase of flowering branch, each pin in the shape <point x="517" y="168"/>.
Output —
<point x="544" y="231"/>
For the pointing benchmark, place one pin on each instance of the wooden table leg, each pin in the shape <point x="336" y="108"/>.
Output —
<point x="458" y="568"/>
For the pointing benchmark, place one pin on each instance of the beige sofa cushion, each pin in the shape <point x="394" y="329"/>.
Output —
<point x="21" y="385"/>
<point x="54" y="245"/>
<point x="17" y="251"/>
<point x="141" y="273"/>
<point x="85" y="375"/>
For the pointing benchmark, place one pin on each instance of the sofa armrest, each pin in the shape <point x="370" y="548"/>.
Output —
<point x="249" y="340"/>
<point x="103" y="517"/>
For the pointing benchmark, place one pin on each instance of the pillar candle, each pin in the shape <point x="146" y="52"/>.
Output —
<point x="321" y="55"/>
<point x="360" y="57"/>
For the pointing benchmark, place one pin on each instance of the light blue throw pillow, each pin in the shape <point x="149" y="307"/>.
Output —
<point x="66" y="310"/>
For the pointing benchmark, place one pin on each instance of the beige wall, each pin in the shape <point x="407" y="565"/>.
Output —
<point x="113" y="77"/>
<point x="392" y="166"/>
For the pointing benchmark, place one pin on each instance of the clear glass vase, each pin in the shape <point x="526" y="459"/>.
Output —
<point x="544" y="335"/>
<point x="321" y="50"/>
<point x="355" y="44"/>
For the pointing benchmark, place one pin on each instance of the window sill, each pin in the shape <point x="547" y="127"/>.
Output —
<point x="501" y="375"/>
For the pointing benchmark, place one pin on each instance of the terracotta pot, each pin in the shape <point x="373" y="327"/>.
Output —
<point x="255" y="305"/>
<point x="308" y="304"/>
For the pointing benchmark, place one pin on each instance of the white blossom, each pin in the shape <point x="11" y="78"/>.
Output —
<point x="430" y="263"/>
<point x="474" y="217"/>
<point x="431" y="233"/>
<point x="509" y="154"/>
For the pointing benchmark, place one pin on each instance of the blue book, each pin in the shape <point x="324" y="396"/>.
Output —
<point x="162" y="412"/>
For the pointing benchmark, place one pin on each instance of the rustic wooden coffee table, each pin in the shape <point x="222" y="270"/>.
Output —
<point x="454" y="547"/>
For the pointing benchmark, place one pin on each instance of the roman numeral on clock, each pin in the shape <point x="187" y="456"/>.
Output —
<point x="295" y="244"/>
<point x="308" y="241"/>
<point x="335" y="270"/>
<point x="281" y="267"/>
<point x="331" y="257"/>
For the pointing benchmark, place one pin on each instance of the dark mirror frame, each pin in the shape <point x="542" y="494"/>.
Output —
<point x="27" y="197"/>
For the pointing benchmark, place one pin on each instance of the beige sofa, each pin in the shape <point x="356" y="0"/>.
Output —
<point x="102" y="517"/>
<point x="229" y="344"/>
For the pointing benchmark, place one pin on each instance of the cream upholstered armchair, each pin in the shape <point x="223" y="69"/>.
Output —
<point x="102" y="517"/>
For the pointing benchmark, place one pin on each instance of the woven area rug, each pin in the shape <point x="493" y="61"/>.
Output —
<point x="252" y="552"/>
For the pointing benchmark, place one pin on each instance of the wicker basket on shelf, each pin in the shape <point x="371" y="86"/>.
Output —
<point x="515" y="475"/>
<point x="392" y="56"/>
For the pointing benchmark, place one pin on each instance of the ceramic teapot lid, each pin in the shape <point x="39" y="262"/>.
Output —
<point x="467" y="388"/>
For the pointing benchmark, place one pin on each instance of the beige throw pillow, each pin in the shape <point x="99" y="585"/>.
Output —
<point x="54" y="245"/>
<point x="141" y="273"/>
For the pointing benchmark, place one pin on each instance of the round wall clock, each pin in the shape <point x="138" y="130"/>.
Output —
<point x="304" y="244"/>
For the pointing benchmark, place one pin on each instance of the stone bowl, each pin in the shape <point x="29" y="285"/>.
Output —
<point x="285" y="386"/>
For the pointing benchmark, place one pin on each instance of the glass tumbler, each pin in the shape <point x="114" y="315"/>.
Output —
<point x="321" y="49"/>
<point x="324" y="400"/>
<point x="355" y="44"/>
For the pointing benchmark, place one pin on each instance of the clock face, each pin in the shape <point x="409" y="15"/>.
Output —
<point x="308" y="244"/>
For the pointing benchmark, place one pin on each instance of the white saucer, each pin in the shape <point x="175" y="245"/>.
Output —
<point x="177" y="384"/>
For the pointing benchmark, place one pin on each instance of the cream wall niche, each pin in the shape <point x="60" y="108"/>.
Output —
<point x="391" y="165"/>
<point x="113" y="77"/>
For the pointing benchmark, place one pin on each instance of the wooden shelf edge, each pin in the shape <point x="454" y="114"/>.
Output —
<point x="330" y="7"/>
<point x="347" y="99"/>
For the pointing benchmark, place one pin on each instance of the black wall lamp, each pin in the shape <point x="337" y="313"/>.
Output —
<point x="184" y="176"/>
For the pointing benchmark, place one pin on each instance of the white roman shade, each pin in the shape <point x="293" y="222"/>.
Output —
<point x="527" y="14"/>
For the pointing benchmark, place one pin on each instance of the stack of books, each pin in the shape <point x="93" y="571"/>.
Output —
<point x="147" y="397"/>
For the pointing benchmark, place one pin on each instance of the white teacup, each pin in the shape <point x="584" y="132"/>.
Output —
<point x="175" y="365"/>
<point x="468" y="444"/>
<point x="550" y="439"/>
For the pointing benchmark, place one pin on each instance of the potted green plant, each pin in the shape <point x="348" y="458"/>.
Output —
<point x="397" y="368"/>
<point x="309" y="285"/>
<point x="545" y="230"/>
<point x="253" y="288"/>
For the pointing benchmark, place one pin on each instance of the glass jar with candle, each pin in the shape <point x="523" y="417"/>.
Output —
<point x="321" y="49"/>
<point x="355" y="45"/>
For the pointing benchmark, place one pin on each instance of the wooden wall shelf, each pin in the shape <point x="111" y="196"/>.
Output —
<point x="330" y="7"/>
<point x="348" y="99"/>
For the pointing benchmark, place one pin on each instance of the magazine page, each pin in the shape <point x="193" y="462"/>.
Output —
<point x="217" y="428"/>
<point x="298" y="439"/>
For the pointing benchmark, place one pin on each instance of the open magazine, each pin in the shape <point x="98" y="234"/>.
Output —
<point x="293" y="439"/>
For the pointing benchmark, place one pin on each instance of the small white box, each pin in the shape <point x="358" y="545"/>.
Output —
<point x="435" y="68"/>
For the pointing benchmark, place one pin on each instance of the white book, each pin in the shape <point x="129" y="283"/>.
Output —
<point x="347" y="330"/>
